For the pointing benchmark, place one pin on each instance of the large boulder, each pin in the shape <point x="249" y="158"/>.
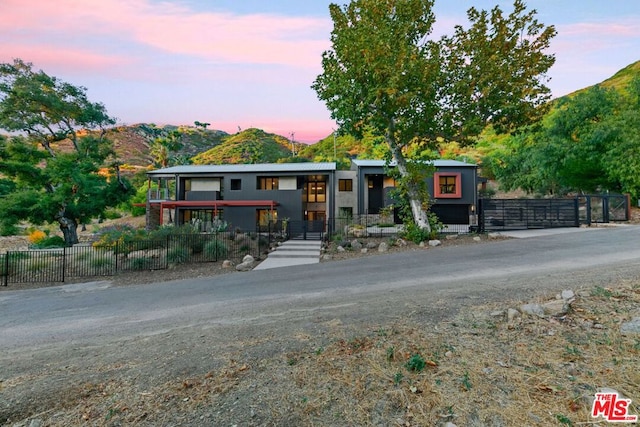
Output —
<point x="247" y="263"/>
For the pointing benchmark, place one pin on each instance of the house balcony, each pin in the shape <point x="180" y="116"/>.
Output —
<point x="158" y="195"/>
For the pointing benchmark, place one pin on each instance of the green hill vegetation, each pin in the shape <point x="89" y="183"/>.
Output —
<point x="343" y="148"/>
<point x="249" y="146"/>
<point x="620" y="81"/>
<point x="587" y="143"/>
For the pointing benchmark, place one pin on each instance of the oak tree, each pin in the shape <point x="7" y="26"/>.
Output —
<point x="57" y="165"/>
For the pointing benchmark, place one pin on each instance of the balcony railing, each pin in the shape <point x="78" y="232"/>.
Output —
<point x="158" y="194"/>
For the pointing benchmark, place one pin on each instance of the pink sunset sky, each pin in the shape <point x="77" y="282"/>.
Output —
<point x="239" y="64"/>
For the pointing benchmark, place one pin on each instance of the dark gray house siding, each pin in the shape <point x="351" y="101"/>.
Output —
<point x="233" y="192"/>
<point x="375" y="189"/>
<point x="236" y="188"/>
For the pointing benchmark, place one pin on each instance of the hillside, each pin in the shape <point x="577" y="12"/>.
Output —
<point x="622" y="78"/>
<point x="620" y="81"/>
<point x="132" y="143"/>
<point x="343" y="148"/>
<point x="249" y="146"/>
<point x="593" y="131"/>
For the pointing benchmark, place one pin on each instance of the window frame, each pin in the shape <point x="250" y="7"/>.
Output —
<point x="272" y="181"/>
<point x="348" y="184"/>
<point x="437" y="189"/>
<point x="237" y="181"/>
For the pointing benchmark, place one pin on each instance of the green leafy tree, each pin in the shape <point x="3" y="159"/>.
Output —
<point x="202" y="125"/>
<point x="386" y="73"/>
<point x="588" y="143"/>
<point x="60" y="168"/>
<point x="623" y="165"/>
<point x="163" y="147"/>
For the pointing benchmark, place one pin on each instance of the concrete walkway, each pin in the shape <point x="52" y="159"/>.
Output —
<point x="292" y="252"/>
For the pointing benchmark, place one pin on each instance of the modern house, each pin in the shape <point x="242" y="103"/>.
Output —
<point x="310" y="193"/>
<point x="242" y="195"/>
<point x="453" y="189"/>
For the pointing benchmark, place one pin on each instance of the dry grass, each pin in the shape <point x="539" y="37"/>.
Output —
<point x="478" y="369"/>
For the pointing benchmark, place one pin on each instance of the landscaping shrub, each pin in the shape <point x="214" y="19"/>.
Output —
<point x="142" y="263"/>
<point x="416" y="234"/>
<point x="178" y="255"/>
<point x="216" y="249"/>
<point x="50" y="242"/>
<point x="109" y="236"/>
<point x="36" y="236"/>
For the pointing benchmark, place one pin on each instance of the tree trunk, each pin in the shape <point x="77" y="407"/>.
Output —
<point x="417" y="208"/>
<point x="69" y="228"/>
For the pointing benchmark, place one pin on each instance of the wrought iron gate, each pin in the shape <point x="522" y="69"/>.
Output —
<point x="603" y="208"/>
<point x="306" y="230"/>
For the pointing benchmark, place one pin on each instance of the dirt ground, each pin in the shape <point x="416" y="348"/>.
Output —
<point x="477" y="366"/>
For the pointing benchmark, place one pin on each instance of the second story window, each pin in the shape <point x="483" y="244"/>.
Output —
<point x="315" y="192"/>
<point x="345" y="185"/>
<point x="236" y="184"/>
<point x="447" y="185"/>
<point x="267" y="183"/>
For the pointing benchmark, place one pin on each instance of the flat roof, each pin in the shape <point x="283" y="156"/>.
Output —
<point x="436" y="163"/>
<point x="244" y="168"/>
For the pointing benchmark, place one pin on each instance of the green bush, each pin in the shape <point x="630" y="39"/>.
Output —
<point x="142" y="263"/>
<point x="100" y="262"/>
<point x="8" y="229"/>
<point x="13" y="257"/>
<point x="178" y="255"/>
<point x="108" y="236"/>
<point x="216" y="249"/>
<point x="196" y="243"/>
<point x="416" y="363"/>
<point x="50" y="242"/>
<point x="416" y="234"/>
<point x="167" y="231"/>
<point x="112" y="214"/>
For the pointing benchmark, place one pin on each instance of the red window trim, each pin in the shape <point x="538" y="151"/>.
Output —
<point x="436" y="185"/>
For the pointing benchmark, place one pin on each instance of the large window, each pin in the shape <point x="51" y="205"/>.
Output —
<point x="267" y="183"/>
<point x="447" y="185"/>
<point x="315" y="192"/>
<point x="266" y="216"/>
<point x="345" y="185"/>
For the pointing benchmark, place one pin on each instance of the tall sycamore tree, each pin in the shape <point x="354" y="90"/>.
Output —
<point x="385" y="71"/>
<point x="59" y="166"/>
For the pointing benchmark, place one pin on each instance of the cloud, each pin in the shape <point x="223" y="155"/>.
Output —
<point x="625" y="28"/>
<point x="170" y="28"/>
<point x="590" y="52"/>
<point x="61" y="58"/>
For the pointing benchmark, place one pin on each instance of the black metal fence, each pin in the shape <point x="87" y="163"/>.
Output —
<point x="519" y="214"/>
<point x="603" y="208"/>
<point x="94" y="260"/>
